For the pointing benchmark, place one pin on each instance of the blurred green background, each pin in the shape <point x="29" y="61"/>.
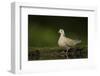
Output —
<point x="43" y="30"/>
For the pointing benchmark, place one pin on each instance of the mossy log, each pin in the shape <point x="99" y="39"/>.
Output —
<point x="56" y="53"/>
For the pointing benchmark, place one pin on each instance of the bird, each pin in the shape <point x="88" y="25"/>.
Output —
<point x="65" y="42"/>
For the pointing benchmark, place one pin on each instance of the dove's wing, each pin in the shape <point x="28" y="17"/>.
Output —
<point x="70" y="42"/>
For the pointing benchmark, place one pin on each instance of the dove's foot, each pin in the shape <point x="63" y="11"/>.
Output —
<point x="66" y="54"/>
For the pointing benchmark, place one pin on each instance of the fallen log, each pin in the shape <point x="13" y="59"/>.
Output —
<point x="56" y="53"/>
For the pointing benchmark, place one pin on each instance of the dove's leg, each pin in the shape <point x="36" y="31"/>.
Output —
<point x="66" y="52"/>
<point x="66" y="56"/>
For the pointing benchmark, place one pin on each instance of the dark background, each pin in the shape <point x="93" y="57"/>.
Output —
<point x="43" y="30"/>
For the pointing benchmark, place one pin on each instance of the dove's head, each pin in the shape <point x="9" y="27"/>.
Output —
<point x="61" y="31"/>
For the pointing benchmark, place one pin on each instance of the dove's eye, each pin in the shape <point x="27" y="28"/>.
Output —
<point x="61" y="31"/>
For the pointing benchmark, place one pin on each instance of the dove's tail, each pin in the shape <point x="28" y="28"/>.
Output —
<point x="78" y="41"/>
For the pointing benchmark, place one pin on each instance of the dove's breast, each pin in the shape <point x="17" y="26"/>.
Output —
<point x="61" y="42"/>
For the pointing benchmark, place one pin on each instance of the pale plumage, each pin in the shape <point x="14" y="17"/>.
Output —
<point x="65" y="42"/>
